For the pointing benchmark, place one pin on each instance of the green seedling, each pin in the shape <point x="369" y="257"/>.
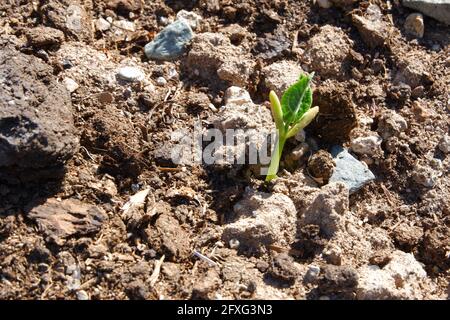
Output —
<point x="291" y="115"/>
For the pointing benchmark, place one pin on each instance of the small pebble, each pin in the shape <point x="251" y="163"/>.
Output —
<point x="172" y="73"/>
<point x="160" y="81"/>
<point x="82" y="295"/>
<point x="191" y="18"/>
<point x="312" y="273"/>
<point x="234" y="244"/>
<point x="70" y="84"/>
<point x="131" y="74"/>
<point x="102" y="24"/>
<point x="125" y="25"/>
<point x="414" y="25"/>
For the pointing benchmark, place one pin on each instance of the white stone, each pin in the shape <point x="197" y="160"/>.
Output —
<point x="102" y="24"/>
<point x="125" y="25"/>
<point x="131" y="74"/>
<point x="237" y="96"/>
<point x="161" y="81"/>
<point x="82" y="295"/>
<point x="70" y="84"/>
<point x="369" y="145"/>
<point x="312" y="273"/>
<point x="191" y="18"/>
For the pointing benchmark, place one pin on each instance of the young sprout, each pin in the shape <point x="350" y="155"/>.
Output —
<point x="291" y="115"/>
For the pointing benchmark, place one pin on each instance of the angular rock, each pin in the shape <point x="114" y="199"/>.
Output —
<point x="281" y="75"/>
<point x="372" y="28"/>
<point x="437" y="9"/>
<point x="62" y="219"/>
<point x="262" y="219"/>
<point x="349" y="170"/>
<point x="191" y="18"/>
<point x="391" y="124"/>
<point x="36" y="122"/>
<point x="369" y="145"/>
<point x="170" y="43"/>
<point x="412" y="69"/>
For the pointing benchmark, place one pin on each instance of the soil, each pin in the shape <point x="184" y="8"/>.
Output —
<point x="64" y="230"/>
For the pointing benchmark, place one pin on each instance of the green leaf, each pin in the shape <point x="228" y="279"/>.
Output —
<point x="296" y="100"/>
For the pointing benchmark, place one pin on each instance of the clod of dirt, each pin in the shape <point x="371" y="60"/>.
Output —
<point x="425" y="175"/>
<point x="169" y="238"/>
<point x="41" y="37"/>
<point x="401" y="278"/>
<point x="408" y="236"/>
<point x="327" y="209"/>
<point x="329" y="52"/>
<point x="340" y="281"/>
<point x="337" y="115"/>
<point x="349" y="170"/>
<point x="262" y="219"/>
<point x="283" y="268"/>
<point x="70" y="16"/>
<point x="412" y="69"/>
<point x="87" y="65"/>
<point x="212" y="56"/>
<point x="321" y="165"/>
<point x="400" y="93"/>
<point x="372" y="28"/>
<point x="436" y="246"/>
<point x="171" y="42"/>
<point x="281" y="75"/>
<point x="414" y="25"/>
<point x="59" y="220"/>
<point x="391" y="124"/>
<point x="207" y="285"/>
<point x="242" y="114"/>
<point x="36" y="122"/>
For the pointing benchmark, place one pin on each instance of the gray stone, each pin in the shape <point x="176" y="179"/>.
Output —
<point x="349" y="170"/>
<point x="170" y="43"/>
<point x="437" y="9"/>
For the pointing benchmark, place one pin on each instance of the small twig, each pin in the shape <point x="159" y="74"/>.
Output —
<point x="204" y="258"/>
<point x="154" y="277"/>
